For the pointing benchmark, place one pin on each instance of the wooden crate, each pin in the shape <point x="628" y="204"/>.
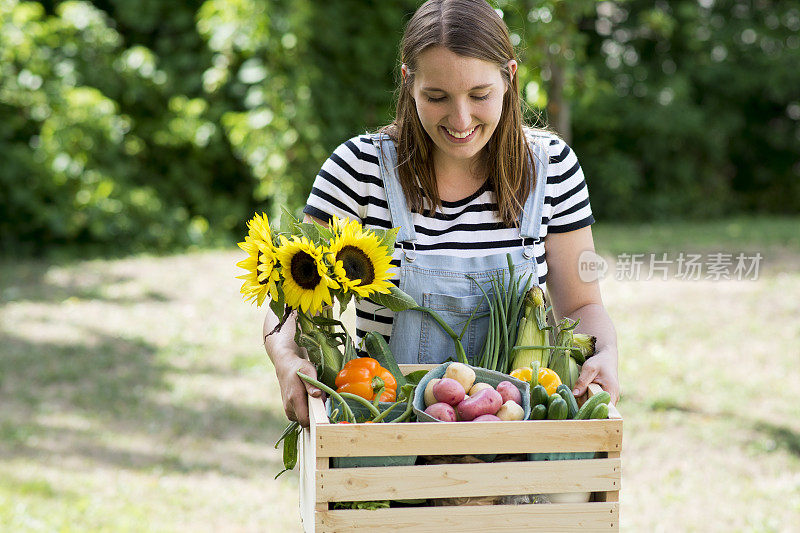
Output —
<point x="320" y="485"/>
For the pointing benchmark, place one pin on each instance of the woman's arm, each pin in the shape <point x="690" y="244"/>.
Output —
<point x="579" y="299"/>
<point x="287" y="358"/>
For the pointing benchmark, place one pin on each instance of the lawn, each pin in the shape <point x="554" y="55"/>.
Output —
<point x="136" y="395"/>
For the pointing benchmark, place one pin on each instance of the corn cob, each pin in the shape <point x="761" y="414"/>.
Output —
<point x="560" y="362"/>
<point x="583" y="347"/>
<point x="532" y="342"/>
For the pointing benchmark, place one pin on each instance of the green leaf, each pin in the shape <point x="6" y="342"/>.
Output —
<point x="289" y="224"/>
<point x="387" y="237"/>
<point x="309" y="231"/>
<point x="415" y="377"/>
<point x="324" y="231"/>
<point x="396" y="300"/>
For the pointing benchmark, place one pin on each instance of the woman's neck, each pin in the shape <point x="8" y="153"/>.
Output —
<point x="458" y="179"/>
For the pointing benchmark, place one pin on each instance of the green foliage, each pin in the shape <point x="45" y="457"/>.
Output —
<point x="149" y="125"/>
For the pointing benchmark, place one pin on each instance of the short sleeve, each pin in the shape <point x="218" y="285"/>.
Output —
<point x="568" y="194"/>
<point x="340" y="187"/>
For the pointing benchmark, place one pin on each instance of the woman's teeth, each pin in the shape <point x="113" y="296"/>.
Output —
<point x="460" y="135"/>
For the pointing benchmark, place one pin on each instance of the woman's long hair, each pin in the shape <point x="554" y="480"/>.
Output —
<point x="468" y="28"/>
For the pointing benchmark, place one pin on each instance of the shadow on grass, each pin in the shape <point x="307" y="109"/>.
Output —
<point x="31" y="284"/>
<point x="784" y="436"/>
<point x="119" y="390"/>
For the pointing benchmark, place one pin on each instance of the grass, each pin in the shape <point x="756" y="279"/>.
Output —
<point x="136" y="396"/>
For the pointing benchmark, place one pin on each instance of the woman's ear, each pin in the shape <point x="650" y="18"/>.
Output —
<point x="404" y="71"/>
<point x="512" y="69"/>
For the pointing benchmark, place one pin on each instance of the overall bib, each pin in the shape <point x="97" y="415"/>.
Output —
<point x="439" y="282"/>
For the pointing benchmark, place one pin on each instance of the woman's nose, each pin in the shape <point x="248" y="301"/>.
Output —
<point x="461" y="117"/>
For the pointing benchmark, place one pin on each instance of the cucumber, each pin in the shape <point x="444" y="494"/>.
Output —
<point x="538" y="395"/>
<point x="558" y="409"/>
<point x="600" y="412"/>
<point x="539" y="412"/>
<point x="553" y="397"/>
<point x="565" y="393"/>
<point x="586" y="409"/>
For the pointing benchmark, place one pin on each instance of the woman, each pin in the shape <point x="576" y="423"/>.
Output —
<point x="466" y="184"/>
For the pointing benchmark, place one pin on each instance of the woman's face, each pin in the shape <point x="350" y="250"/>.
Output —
<point x="459" y="101"/>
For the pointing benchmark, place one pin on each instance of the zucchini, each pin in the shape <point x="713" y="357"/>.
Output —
<point x="565" y="393"/>
<point x="538" y="395"/>
<point x="539" y="412"/>
<point x="586" y="409"/>
<point x="558" y="409"/>
<point x="600" y="412"/>
<point x="377" y="348"/>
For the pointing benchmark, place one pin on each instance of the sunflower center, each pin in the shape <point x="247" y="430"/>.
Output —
<point x="357" y="264"/>
<point x="304" y="271"/>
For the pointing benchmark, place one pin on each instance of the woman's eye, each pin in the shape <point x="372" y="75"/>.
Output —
<point x="432" y="99"/>
<point x="484" y="97"/>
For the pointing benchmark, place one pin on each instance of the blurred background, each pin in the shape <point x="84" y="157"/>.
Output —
<point x="137" y="138"/>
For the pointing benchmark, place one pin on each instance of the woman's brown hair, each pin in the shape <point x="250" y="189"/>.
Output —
<point x="468" y="28"/>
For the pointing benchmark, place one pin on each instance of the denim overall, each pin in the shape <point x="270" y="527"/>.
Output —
<point x="439" y="282"/>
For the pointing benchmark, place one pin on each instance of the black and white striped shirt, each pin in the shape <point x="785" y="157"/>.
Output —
<point x="349" y="186"/>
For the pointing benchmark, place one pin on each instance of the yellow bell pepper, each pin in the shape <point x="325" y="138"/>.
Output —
<point x="549" y="380"/>
<point x="522" y="374"/>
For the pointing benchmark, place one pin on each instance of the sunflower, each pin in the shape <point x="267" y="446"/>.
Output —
<point x="262" y="275"/>
<point x="360" y="263"/>
<point x="259" y="228"/>
<point x="306" y="283"/>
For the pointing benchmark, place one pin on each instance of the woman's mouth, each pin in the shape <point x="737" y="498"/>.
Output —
<point x="460" y="136"/>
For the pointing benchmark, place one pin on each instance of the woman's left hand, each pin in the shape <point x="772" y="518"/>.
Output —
<point x="601" y="368"/>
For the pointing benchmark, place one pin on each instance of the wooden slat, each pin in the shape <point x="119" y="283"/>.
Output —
<point x="463" y="480"/>
<point x="308" y="494"/>
<point x="445" y="438"/>
<point x="612" y="495"/>
<point x="316" y="411"/>
<point x="407" y="369"/>
<point x="565" y="517"/>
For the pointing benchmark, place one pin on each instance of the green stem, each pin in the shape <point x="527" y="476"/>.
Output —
<point x="377" y="399"/>
<point x="460" y="353"/>
<point x="363" y="401"/>
<point x="409" y="409"/>
<point x="348" y="413"/>
<point x="388" y="410"/>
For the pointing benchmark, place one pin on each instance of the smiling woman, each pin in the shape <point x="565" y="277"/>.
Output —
<point x="467" y="184"/>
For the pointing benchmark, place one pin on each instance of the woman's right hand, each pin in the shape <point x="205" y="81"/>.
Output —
<point x="295" y="391"/>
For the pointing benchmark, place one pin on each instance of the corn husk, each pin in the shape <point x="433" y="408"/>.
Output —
<point x="532" y="331"/>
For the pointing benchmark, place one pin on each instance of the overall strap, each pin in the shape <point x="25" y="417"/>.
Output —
<point x="398" y="208"/>
<point x="532" y="211"/>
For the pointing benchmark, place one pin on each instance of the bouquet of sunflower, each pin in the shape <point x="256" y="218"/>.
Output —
<point x="303" y="266"/>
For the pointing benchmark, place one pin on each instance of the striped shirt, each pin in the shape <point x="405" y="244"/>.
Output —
<point x="349" y="186"/>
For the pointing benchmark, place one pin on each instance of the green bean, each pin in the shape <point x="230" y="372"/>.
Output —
<point x="363" y="401"/>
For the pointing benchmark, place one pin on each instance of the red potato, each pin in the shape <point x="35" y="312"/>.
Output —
<point x="509" y="391"/>
<point x="442" y="411"/>
<point x="449" y="391"/>
<point x="487" y="418"/>
<point x="485" y="402"/>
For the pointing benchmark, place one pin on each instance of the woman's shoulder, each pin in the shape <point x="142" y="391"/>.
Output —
<point x="361" y="147"/>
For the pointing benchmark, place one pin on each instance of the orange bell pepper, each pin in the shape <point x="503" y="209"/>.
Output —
<point x="364" y="377"/>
